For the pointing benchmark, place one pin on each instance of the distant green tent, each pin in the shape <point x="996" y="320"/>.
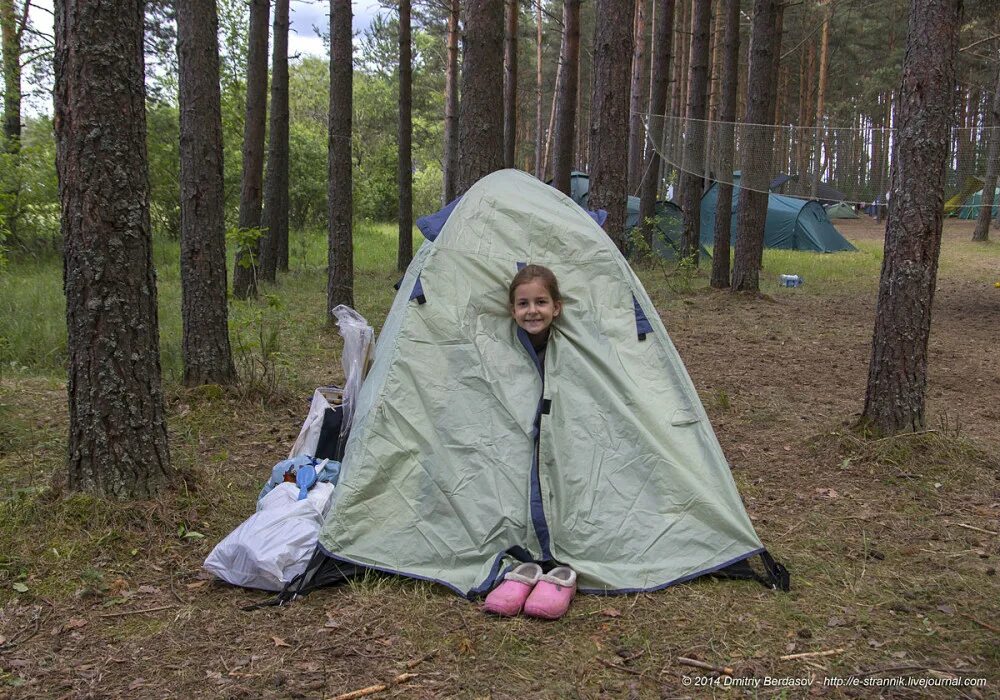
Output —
<point x="795" y="224"/>
<point x="970" y="209"/>
<point x="841" y="210"/>
<point x="669" y="217"/>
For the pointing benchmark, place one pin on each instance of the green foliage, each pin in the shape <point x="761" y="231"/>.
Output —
<point x="243" y="242"/>
<point x="256" y="332"/>
<point x="163" y="148"/>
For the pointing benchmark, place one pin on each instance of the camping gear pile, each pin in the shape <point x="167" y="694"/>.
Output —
<point x="274" y="545"/>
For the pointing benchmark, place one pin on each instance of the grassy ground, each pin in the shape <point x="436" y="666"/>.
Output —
<point x="892" y="544"/>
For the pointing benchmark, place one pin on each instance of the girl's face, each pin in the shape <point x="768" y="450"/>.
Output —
<point x="534" y="309"/>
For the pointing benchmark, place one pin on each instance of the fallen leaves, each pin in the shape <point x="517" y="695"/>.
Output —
<point x="279" y="642"/>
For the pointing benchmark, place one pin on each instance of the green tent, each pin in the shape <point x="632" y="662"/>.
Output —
<point x="796" y="224"/>
<point x="669" y="217"/>
<point x="461" y="461"/>
<point x="970" y="209"/>
<point x="841" y="210"/>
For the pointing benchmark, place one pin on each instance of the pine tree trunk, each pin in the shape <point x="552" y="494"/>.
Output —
<point x="769" y="154"/>
<point x="480" y="124"/>
<point x="546" y="160"/>
<point x="569" y="64"/>
<point x="117" y="426"/>
<point x="897" y="373"/>
<point x="824" y="47"/>
<point x="982" y="232"/>
<point x="671" y="149"/>
<point x="11" y="30"/>
<point x="205" y="344"/>
<point x="692" y="178"/>
<point x="251" y="187"/>
<point x="510" y="84"/>
<point x="274" y="247"/>
<point x="451" y="106"/>
<point x="539" y="136"/>
<point x="405" y="171"/>
<point x="752" y="208"/>
<point x="659" y="77"/>
<point x="712" y="96"/>
<point x="609" y="116"/>
<point x="636" y="131"/>
<point x="340" y="255"/>
<point x="727" y="113"/>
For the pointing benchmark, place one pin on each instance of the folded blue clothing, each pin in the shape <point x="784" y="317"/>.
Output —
<point x="329" y="473"/>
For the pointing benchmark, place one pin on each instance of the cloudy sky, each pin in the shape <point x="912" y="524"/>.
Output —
<point x="305" y="15"/>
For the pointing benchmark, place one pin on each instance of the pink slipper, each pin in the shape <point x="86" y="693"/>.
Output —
<point x="508" y="598"/>
<point x="552" y="594"/>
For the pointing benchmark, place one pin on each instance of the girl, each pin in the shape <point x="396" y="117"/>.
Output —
<point x="535" y="303"/>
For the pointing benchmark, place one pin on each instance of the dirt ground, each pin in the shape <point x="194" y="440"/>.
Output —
<point x="892" y="546"/>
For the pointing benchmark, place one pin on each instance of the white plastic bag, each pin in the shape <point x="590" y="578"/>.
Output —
<point x="312" y="426"/>
<point x="273" y="545"/>
<point x="358" y="337"/>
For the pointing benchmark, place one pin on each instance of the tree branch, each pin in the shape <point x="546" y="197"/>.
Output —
<point x="981" y="41"/>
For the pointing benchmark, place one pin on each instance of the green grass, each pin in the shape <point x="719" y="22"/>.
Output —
<point x="33" y="307"/>
<point x="822" y="274"/>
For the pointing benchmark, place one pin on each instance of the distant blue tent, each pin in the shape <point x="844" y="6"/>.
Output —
<point x="669" y="218"/>
<point x="795" y="224"/>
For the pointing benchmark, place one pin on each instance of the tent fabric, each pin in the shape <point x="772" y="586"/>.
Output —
<point x="795" y="224"/>
<point x="841" y="210"/>
<point x="669" y="217"/>
<point x="461" y="460"/>
<point x="967" y="190"/>
<point x="825" y="193"/>
<point x="970" y="208"/>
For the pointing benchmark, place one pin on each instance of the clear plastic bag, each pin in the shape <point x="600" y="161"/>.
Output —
<point x="358" y="337"/>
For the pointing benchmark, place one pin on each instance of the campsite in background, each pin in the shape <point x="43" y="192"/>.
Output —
<point x="268" y="424"/>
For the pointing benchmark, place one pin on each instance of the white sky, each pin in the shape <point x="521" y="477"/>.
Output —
<point x="305" y="14"/>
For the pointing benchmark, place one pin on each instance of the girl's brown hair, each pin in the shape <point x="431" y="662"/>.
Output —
<point x="529" y="273"/>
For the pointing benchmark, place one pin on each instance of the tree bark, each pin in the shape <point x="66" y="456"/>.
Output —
<point x="982" y="232"/>
<point x="660" y="78"/>
<point x="12" y="27"/>
<point x="11" y="30"/>
<point x="405" y="171"/>
<point x="480" y="124"/>
<point x="274" y="248"/>
<point x="692" y="177"/>
<point x="569" y="64"/>
<point x="251" y="187"/>
<point x="824" y="47"/>
<point x="205" y="345"/>
<point x="897" y="373"/>
<point x="117" y="427"/>
<point x="552" y="121"/>
<point x="752" y="209"/>
<point x="340" y="255"/>
<point x="636" y="131"/>
<point x="451" y="105"/>
<point x="609" y="116"/>
<point x="730" y="65"/>
<point x="539" y="137"/>
<point x="510" y="83"/>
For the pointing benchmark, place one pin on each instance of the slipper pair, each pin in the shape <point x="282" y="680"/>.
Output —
<point x="535" y="593"/>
